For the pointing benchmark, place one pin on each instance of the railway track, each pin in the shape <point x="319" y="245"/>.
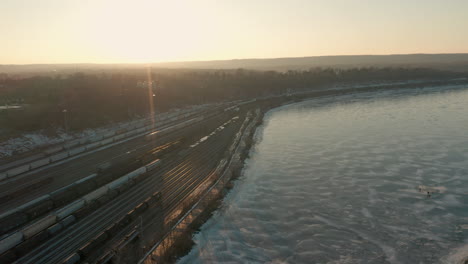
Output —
<point x="61" y="175"/>
<point x="53" y="177"/>
<point x="175" y="179"/>
<point x="176" y="135"/>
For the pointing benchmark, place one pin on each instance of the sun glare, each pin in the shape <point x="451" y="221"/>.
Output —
<point x="153" y="31"/>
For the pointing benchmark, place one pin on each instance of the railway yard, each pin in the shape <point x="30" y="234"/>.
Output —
<point x="90" y="205"/>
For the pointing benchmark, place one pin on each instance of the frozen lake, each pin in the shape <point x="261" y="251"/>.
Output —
<point x="335" y="180"/>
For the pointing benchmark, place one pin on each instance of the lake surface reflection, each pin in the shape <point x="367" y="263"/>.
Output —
<point x="335" y="180"/>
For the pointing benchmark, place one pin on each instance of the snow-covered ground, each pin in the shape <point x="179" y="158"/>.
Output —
<point x="30" y="141"/>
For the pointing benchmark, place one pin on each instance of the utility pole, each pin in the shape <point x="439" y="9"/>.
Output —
<point x="65" y="121"/>
<point x="141" y="228"/>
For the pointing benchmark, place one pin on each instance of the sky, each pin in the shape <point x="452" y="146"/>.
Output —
<point x="135" y="31"/>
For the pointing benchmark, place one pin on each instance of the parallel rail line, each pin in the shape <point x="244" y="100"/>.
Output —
<point x="72" y="238"/>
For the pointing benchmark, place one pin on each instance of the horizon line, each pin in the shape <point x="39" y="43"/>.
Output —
<point x="235" y="59"/>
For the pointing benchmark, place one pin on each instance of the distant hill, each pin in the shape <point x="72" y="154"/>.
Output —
<point x="453" y="62"/>
<point x="439" y="61"/>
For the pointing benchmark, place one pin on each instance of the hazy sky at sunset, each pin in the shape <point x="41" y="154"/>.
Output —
<point x="104" y="31"/>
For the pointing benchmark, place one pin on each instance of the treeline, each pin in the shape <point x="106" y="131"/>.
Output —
<point x="88" y="100"/>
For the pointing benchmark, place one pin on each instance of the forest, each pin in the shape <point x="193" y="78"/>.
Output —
<point x="91" y="99"/>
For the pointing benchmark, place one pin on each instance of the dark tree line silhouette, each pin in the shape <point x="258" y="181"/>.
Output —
<point x="93" y="99"/>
